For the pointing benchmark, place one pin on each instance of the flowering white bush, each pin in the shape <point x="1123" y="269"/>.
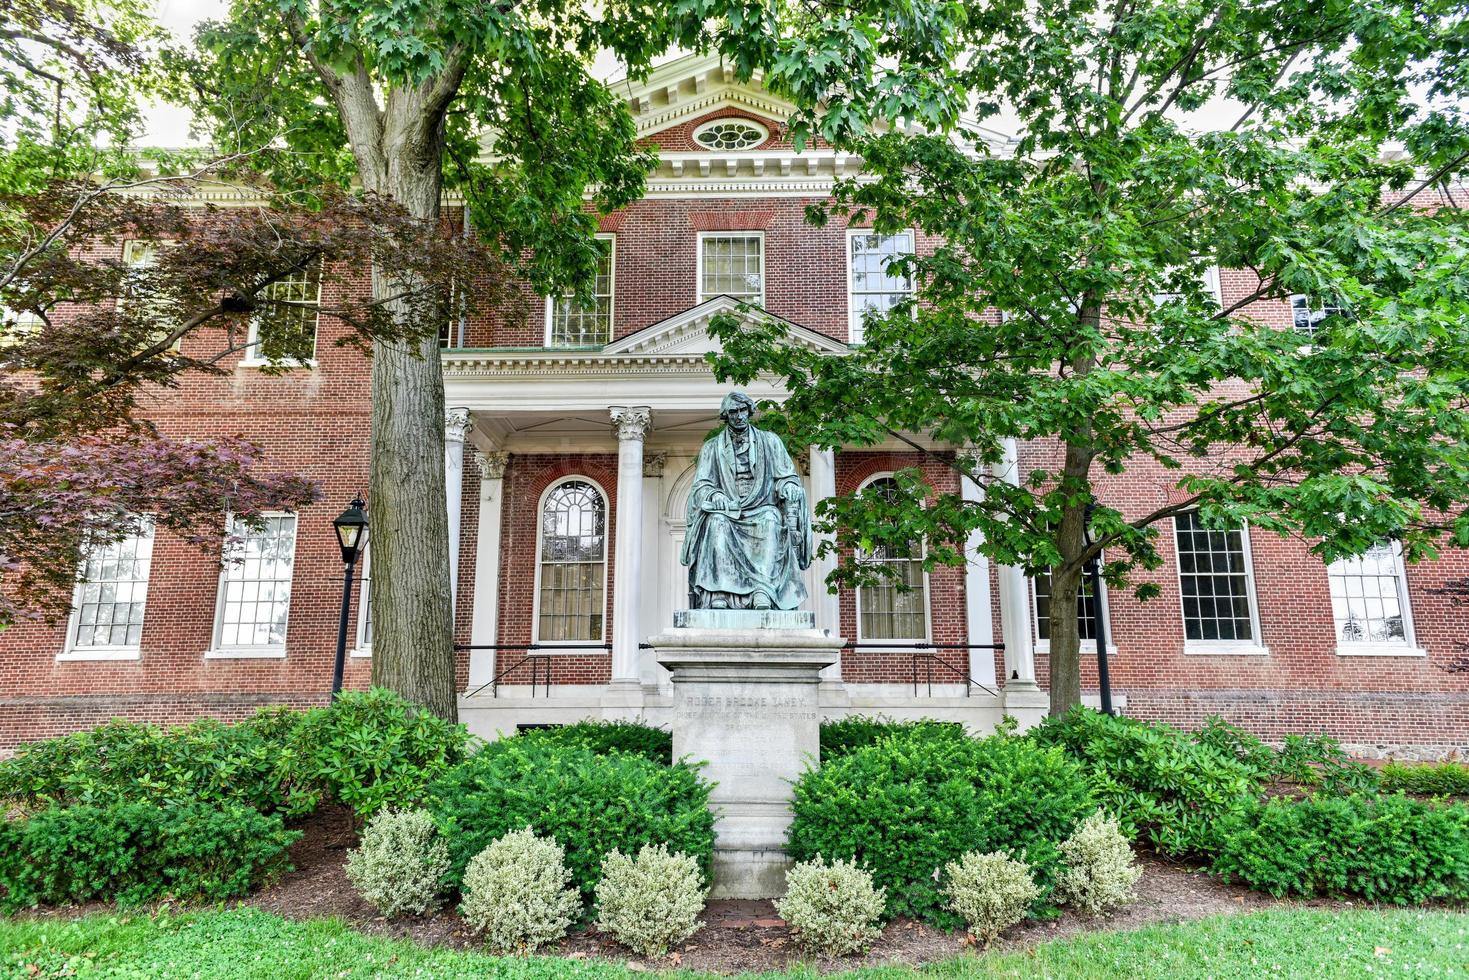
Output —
<point x="991" y="891"/>
<point x="834" y="907"/>
<point x="1100" y="870"/>
<point x="400" y="865"/>
<point x="650" y="902"/>
<point x="517" y="892"/>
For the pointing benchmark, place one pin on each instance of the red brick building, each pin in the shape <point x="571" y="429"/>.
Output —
<point x="572" y="433"/>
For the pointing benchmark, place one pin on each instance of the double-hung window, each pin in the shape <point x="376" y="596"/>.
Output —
<point x="577" y="322"/>
<point x="1217" y="588"/>
<point x="1309" y="316"/>
<point x="895" y="607"/>
<point x="255" y="588"/>
<point x="111" y="597"/>
<point x="1086" y="610"/>
<point x="871" y="284"/>
<point x="732" y="264"/>
<point x="1369" y="603"/>
<point x="572" y="567"/>
<point x="284" y="332"/>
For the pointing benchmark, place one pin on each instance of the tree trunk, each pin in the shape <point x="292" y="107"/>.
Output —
<point x="1065" y="636"/>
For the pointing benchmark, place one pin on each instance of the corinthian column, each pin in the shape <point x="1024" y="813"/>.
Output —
<point x="456" y="427"/>
<point x="484" y="627"/>
<point x="631" y="423"/>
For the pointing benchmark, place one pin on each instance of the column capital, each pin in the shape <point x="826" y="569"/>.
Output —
<point x="653" y="464"/>
<point x="491" y="465"/>
<point x="631" y="422"/>
<point x="456" y="424"/>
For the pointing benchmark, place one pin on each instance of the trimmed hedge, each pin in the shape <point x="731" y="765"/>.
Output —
<point x="606" y="737"/>
<point x="1161" y="785"/>
<point x="589" y="803"/>
<point x="1382" y="848"/>
<point x="904" y="807"/>
<point x="367" y="749"/>
<point x="135" y="852"/>
<point x="856" y="731"/>
<point x="1427" y="779"/>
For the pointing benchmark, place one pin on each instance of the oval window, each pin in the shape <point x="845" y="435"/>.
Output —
<point x="730" y="134"/>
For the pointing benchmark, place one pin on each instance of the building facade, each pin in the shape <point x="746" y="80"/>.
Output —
<point x="571" y="436"/>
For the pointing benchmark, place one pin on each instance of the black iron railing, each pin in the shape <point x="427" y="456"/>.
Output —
<point x="536" y="655"/>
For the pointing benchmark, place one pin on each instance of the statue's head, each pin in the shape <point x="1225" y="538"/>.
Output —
<point x="737" y="410"/>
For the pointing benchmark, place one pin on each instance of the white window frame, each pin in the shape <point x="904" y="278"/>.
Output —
<point x="253" y="357"/>
<point x="1244" y="648"/>
<point x="218" y="651"/>
<point x="1408" y="646"/>
<point x="71" y="651"/>
<point x="1044" y="646"/>
<point x="854" y="316"/>
<point x="699" y="296"/>
<point x="1313" y="304"/>
<point x="535" y="609"/>
<point x="131" y="261"/>
<point x="906" y="644"/>
<point x="611" y="296"/>
<point x="1211" y="285"/>
<point x="760" y="128"/>
<point x="362" y="646"/>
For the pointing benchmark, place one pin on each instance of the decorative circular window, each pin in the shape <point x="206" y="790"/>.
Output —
<point x="730" y="134"/>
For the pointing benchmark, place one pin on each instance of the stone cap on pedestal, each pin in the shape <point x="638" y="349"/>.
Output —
<point x="744" y="619"/>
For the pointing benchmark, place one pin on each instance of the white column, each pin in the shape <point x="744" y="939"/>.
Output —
<point x="653" y="588"/>
<point x="456" y="427"/>
<point x="827" y="607"/>
<point x="631" y="425"/>
<point x="485" y="625"/>
<point x="1015" y="596"/>
<point x="979" y="621"/>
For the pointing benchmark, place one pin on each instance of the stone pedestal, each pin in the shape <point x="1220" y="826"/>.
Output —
<point x="745" y="701"/>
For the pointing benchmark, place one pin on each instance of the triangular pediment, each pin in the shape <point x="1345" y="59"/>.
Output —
<point x="687" y="333"/>
<point x="696" y="85"/>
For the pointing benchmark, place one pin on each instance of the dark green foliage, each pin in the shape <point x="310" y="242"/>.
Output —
<point x="366" y="750"/>
<point x="1306" y="760"/>
<point x="1161" y="785"/>
<point x="133" y="852"/>
<point x="589" y="803"/>
<point x="604" y="737"/>
<point x="903" y="807"/>
<point x="252" y="763"/>
<point x="372" y="749"/>
<point x="1231" y="740"/>
<point x="1430" y="779"/>
<point x="845" y="734"/>
<point x="1382" y="848"/>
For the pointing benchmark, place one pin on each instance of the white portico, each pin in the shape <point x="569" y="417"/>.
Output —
<point x="647" y="400"/>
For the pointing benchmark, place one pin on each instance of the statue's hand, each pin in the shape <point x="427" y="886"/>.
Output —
<point x="717" y="501"/>
<point x="790" y="492"/>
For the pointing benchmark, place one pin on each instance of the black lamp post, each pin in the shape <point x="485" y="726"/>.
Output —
<point x="351" y="528"/>
<point x="1094" y="578"/>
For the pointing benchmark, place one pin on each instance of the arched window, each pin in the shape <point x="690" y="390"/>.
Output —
<point x="571" y="575"/>
<point x="730" y="134"/>
<point x="885" y="611"/>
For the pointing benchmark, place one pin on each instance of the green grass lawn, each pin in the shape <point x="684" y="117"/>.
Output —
<point x="246" y="943"/>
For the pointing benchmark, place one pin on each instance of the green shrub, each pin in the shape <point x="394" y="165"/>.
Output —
<point x="1246" y="747"/>
<point x="401" y="863"/>
<point x="134" y="852"/>
<point x="856" y="731"/>
<point x="1383" y="848"/>
<point x="1318" y="760"/>
<point x="587" y="802"/>
<point x="906" y="807"/>
<point x="605" y="737"/>
<point x="253" y="763"/>
<point x="990" y="892"/>
<point x="650" y="902"/>
<point x="1162" y="785"/>
<point x="1428" y="779"/>
<point x="371" y="749"/>
<point x="518" y="893"/>
<point x="834" y="908"/>
<point x="1100" y="870"/>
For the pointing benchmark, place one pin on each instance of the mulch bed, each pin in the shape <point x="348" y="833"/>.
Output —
<point x="737" y="935"/>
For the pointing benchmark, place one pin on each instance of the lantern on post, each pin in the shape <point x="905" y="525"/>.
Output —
<point x="351" y="528"/>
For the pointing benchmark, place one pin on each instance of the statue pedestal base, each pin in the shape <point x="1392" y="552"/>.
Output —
<point x="745" y="701"/>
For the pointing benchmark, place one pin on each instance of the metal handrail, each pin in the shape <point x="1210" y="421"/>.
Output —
<point x="533" y="656"/>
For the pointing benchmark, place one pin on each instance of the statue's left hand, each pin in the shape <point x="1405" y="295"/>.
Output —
<point x="790" y="492"/>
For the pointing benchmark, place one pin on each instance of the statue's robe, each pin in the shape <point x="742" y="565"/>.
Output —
<point x="758" y="544"/>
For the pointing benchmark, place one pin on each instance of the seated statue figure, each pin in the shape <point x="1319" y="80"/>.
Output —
<point x="749" y="531"/>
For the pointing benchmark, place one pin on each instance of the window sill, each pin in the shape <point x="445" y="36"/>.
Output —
<point x="360" y="653"/>
<point x="899" y="646"/>
<point x="1379" y="650"/>
<point x="568" y="646"/>
<point x="82" y="654"/>
<point x="1087" y="646"/>
<point x="289" y="363"/>
<point x="1207" y="649"/>
<point x="245" y="653"/>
